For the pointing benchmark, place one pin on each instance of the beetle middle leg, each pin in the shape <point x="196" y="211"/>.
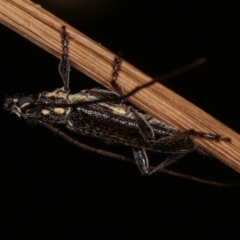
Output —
<point x="116" y="67"/>
<point x="145" y="129"/>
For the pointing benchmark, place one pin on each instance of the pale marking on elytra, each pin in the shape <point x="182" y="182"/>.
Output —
<point x="45" y="111"/>
<point x="59" y="110"/>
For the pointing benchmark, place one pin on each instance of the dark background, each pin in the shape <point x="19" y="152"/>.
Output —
<point x="49" y="187"/>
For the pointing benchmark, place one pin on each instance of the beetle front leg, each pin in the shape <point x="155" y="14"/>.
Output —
<point x="64" y="65"/>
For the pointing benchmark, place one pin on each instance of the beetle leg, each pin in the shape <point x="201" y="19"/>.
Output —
<point x="116" y="67"/>
<point x="141" y="159"/>
<point x="145" y="128"/>
<point x="171" y="159"/>
<point x="209" y="136"/>
<point x="177" y="143"/>
<point x="64" y="65"/>
<point x="102" y="94"/>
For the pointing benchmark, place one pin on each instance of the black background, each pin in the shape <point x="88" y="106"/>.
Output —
<point x="49" y="187"/>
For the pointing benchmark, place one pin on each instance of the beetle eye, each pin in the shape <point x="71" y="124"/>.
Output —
<point x="25" y="100"/>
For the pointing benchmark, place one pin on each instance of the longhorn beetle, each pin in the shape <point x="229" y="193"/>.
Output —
<point x="105" y="115"/>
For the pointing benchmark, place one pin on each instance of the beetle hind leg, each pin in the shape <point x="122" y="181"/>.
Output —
<point x="171" y="159"/>
<point x="210" y="136"/>
<point x="142" y="161"/>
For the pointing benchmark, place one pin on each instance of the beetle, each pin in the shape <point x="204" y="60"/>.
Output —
<point x="105" y="115"/>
